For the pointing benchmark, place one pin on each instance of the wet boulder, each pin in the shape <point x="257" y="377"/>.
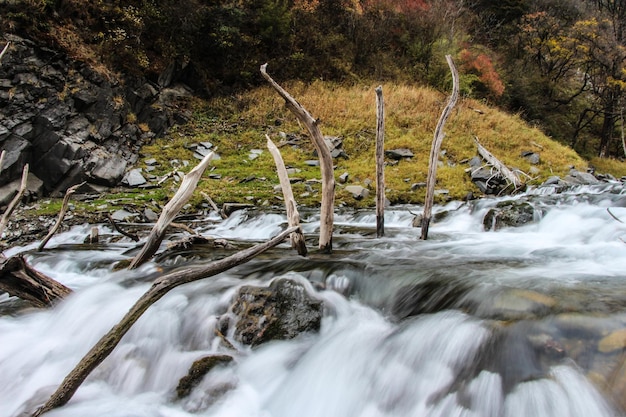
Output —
<point x="509" y="214"/>
<point x="279" y="312"/>
<point x="198" y="370"/>
<point x="428" y="297"/>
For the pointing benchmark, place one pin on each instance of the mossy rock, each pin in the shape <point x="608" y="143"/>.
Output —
<point x="197" y="371"/>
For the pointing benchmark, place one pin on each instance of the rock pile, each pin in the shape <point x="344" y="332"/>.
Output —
<point x="73" y="124"/>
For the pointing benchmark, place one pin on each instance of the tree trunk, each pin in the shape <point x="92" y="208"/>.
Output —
<point x="434" y="150"/>
<point x="326" y="163"/>
<point x="20" y="280"/>
<point x="293" y="217"/>
<point x="380" y="162"/>
<point x="608" y="125"/>
<point x="159" y="288"/>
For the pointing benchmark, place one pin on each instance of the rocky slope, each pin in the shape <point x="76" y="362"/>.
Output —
<point x="72" y="124"/>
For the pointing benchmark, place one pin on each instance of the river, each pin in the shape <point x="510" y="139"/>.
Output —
<point x="519" y="322"/>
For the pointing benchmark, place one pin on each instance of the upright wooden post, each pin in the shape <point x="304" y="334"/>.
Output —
<point x="293" y="217"/>
<point x="326" y="163"/>
<point x="380" y="162"/>
<point x="434" y="150"/>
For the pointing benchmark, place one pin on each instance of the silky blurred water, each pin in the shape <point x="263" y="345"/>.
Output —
<point x="509" y="326"/>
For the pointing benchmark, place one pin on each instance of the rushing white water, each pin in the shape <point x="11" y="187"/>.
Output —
<point x="500" y="331"/>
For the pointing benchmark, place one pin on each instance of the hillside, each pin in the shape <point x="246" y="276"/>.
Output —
<point x="238" y="124"/>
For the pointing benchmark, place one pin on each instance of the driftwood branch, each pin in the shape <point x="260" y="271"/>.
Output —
<point x="121" y="231"/>
<point x="293" y="216"/>
<point x="159" y="288"/>
<point x="19" y="279"/>
<point x="4" y="50"/>
<point x="434" y="150"/>
<point x="13" y="204"/>
<point x="380" y="162"/>
<point x="62" y="212"/>
<point x="326" y="163"/>
<point x="170" y="211"/>
<point x="213" y="205"/>
<point x="510" y="176"/>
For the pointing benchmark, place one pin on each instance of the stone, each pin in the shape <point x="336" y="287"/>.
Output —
<point x="357" y="191"/>
<point x="124" y="216"/>
<point x="532" y="157"/>
<point x="576" y="177"/>
<point x="281" y="311"/>
<point x="108" y="171"/>
<point x="615" y="341"/>
<point x="312" y="162"/>
<point x="399" y="153"/>
<point x="509" y="214"/>
<point x="198" y="370"/>
<point x="343" y="178"/>
<point x="134" y="178"/>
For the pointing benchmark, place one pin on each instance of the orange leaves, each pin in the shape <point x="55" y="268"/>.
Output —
<point x="481" y="65"/>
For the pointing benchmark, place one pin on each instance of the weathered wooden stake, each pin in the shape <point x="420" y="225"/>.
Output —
<point x="159" y="288"/>
<point x="434" y="150"/>
<point x="170" y="211"/>
<point x="380" y="162"/>
<point x="326" y="163"/>
<point x="62" y="212"/>
<point x="293" y="217"/>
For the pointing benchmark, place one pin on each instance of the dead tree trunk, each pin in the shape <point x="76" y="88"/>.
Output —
<point x="326" y="163"/>
<point x="434" y="150"/>
<point x="380" y="162"/>
<point x="19" y="279"/>
<point x="16" y="200"/>
<point x="293" y="217"/>
<point x="62" y="212"/>
<point x="159" y="288"/>
<point x="510" y="176"/>
<point x="170" y="211"/>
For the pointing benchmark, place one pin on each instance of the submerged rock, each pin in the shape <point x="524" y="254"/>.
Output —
<point x="279" y="312"/>
<point x="509" y="214"/>
<point x="197" y="371"/>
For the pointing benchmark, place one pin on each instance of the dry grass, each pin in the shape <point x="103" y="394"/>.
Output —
<point x="238" y="124"/>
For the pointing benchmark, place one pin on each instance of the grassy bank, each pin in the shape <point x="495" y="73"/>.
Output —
<point x="237" y="124"/>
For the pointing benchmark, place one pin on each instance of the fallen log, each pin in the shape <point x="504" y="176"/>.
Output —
<point x="19" y="279"/>
<point x="293" y="217"/>
<point x="509" y="175"/>
<point x="326" y="163"/>
<point x="170" y="211"/>
<point x="434" y="150"/>
<point x="380" y="162"/>
<point x="159" y="288"/>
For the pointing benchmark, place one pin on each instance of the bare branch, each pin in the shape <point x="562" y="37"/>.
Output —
<point x="434" y="150"/>
<point x="121" y="231"/>
<point x="13" y="204"/>
<point x="159" y="288"/>
<point x="62" y="212"/>
<point x="380" y="162"/>
<point x="170" y="211"/>
<point x="293" y="217"/>
<point x="4" y="50"/>
<point x="326" y="163"/>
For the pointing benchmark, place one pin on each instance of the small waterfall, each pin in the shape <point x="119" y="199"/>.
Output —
<point x="517" y="322"/>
